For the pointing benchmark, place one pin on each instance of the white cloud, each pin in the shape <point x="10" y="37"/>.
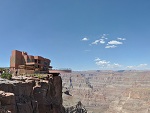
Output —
<point x="130" y="67"/>
<point x="142" y="65"/>
<point x="95" y="42"/>
<point x="114" y="66"/>
<point x="102" y="63"/>
<point x="110" y="46"/>
<point x="97" y="59"/>
<point x="102" y="41"/>
<point x="85" y="39"/>
<point x="121" y="38"/>
<point x="114" y="42"/>
<point x="117" y="65"/>
<point x="106" y="64"/>
<point x="104" y="36"/>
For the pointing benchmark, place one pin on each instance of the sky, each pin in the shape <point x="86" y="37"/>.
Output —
<point x="78" y="34"/>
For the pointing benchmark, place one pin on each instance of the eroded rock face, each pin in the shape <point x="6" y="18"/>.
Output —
<point x="30" y="95"/>
<point x="7" y="102"/>
<point x="108" y="91"/>
<point x="50" y="96"/>
<point x="23" y="99"/>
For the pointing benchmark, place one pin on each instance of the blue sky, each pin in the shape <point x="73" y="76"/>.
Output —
<point x="78" y="34"/>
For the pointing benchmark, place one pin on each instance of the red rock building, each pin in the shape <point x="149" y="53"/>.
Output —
<point x="25" y="63"/>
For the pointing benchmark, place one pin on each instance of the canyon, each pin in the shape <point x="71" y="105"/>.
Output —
<point x="124" y="91"/>
<point x="95" y="91"/>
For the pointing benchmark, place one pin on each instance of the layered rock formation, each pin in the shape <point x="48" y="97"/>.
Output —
<point x="108" y="91"/>
<point x="31" y="95"/>
<point x="98" y="91"/>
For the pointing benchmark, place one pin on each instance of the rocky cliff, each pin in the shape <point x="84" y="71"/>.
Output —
<point x="31" y="95"/>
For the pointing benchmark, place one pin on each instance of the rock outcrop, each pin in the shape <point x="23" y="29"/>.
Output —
<point x="31" y="95"/>
<point x="79" y="108"/>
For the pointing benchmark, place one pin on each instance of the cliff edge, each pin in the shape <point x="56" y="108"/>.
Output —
<point x="31" y="95"/>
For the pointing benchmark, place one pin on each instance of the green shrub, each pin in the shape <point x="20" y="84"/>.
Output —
<point x="39" y="76"/>
<point x="6" y="76"/>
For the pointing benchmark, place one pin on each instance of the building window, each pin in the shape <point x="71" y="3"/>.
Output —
<point x="39" y="61"/>
<point x="28" y="60"/>
<point x="35" y="60"/>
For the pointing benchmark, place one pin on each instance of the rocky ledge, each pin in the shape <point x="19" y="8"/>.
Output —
<point x="31" y="95"/>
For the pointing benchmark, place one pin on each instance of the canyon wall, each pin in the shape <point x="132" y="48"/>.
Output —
<point x="98" y="91"/>
<point x="108" y="91"/>
<point x="31" y="95"/>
